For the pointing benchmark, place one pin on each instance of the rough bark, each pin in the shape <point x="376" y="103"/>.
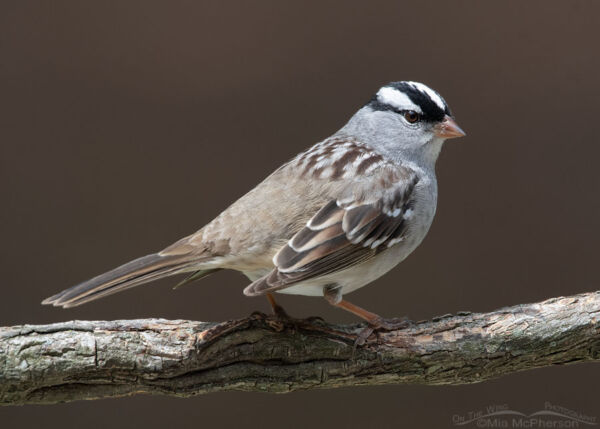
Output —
<point x="89" y="360"/>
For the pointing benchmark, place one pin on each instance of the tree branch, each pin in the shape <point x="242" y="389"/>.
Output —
<point x="89" y="360"/>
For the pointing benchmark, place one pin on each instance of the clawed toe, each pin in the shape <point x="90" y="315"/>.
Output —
<point x="258" y="315"/>
<point x="363" y="335"/>
<point x="312" y="319"/>
<point x="281" y="313"/>
<point x="381" y="324"/>
<point x="393" y="324"/>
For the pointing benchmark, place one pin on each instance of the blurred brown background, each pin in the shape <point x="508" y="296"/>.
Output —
<point x="127" y="125"/>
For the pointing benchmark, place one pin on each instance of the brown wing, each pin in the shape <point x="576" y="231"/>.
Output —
<point x="341" y="234"/>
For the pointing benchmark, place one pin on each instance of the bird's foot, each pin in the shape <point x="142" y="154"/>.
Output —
<point x="393" y="324"/>
<point x="280" y="313"/>
<point x="280" y="318"/>
<point x="277" y="309"/>
<point x="381" y="324"/>
<point x="284" y="317"/>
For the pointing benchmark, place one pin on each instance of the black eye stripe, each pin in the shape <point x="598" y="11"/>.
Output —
<point x="375" y="104"/>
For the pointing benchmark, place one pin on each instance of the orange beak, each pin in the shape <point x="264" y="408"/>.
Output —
<point x="448" y="129"/>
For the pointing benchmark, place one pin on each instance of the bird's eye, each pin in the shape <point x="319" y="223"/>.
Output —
<point x="411" y="116"/>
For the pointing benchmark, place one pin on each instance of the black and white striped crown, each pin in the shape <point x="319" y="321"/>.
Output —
<point x="406" y="96"/>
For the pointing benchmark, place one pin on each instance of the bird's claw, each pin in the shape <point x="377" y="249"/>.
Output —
<point x="381" y="324"/>
<point x="258" y="315"/>
<point x="312" y="319"/>
<point x="393" y="324"/>
<point x="280" y="313"/>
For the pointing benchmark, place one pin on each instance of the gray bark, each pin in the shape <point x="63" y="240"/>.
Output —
<point x="89" y="360"/>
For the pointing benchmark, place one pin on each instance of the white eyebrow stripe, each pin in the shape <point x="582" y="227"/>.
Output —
<point x="397" y="99"/>
<point x="435" y="97"/>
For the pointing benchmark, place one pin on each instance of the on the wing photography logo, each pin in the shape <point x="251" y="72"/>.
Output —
<point x="502" y="416"/>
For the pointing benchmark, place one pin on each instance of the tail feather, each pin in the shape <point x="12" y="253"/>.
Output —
<point x="196" y="275"/>
<point x="134" y="273"/>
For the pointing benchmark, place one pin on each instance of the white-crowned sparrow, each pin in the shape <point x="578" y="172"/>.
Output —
<point x="331" y="220"/>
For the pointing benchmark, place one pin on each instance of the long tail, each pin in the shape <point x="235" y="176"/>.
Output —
<point x="134" y="273"/>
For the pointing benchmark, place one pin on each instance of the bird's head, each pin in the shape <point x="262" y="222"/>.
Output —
<point x="407" y="119"/>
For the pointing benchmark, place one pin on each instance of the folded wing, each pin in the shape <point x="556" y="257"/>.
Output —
<point x="345" y="232"/>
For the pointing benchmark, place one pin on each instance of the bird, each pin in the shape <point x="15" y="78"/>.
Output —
<point x="331" y="220"/>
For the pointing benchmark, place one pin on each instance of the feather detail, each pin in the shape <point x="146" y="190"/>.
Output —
<point x="197" y="275"/>
<point x="343" y="233"/>
<point x="142" y="270"/>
